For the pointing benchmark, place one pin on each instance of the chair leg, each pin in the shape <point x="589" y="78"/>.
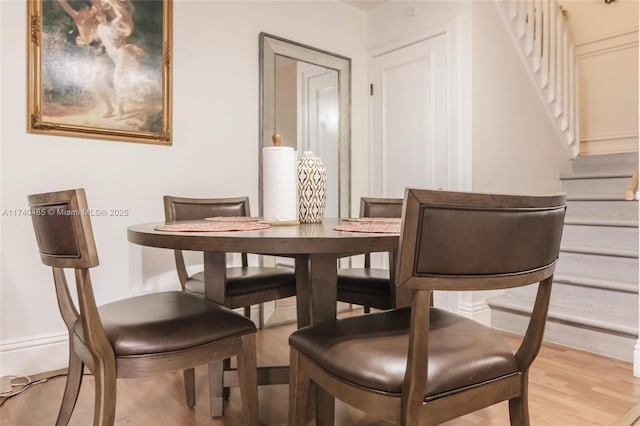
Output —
<point x="71" y="389"/>
<point x="299" y="385"/>
<point x="260" y="316"/>
<point x="248" y="377"/>
<point x="247" y="311"/>
<point x="519" y="407"/>
<point x="226" y="391"/>
<point x="216" y="399"/>
<point x="367" y="309"/>
<point x="105" y="394"/>
<point x="190" y="386"/>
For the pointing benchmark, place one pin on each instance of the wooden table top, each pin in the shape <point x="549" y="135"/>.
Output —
<point x="317" y="238"/>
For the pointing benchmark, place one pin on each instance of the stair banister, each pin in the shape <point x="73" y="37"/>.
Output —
<point x="632" y="190"/>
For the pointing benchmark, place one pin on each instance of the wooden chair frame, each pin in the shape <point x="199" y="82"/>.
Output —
<point x="96" y="351"/>
<point x="410" y="407"/>
<point x="243" y="300"/>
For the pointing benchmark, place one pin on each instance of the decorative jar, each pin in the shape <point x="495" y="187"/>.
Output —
<point x="312" y="188"/>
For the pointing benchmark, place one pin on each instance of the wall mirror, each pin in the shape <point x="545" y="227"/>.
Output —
<point x="305" y="96"/>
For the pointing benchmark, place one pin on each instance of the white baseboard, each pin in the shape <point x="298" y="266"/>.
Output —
<point x="478" y="311"/>
<point x="33" y="355"/>
<point x="636" y="359"/>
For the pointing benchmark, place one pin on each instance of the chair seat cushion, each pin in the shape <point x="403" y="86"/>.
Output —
<point x="166" y="322"/>
<point x="364" y="280"/>
<point x="371" y="351"/>
<point x="249" y="279"/>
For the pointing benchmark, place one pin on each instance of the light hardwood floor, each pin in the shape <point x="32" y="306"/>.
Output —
<point x="567" y="387"/>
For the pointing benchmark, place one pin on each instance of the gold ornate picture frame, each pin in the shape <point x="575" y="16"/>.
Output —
<point x="100" y="69"/>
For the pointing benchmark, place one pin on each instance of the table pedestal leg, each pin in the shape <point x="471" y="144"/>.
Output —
<point x="303" y="292"/>
<point x="215" y="276"/>
<point x="323" y="279"/>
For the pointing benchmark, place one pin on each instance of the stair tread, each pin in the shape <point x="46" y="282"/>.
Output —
<point x="631" y="287"/>
<point x="596" y="175"/>
<point x="626" y="223"/>
<point x="598" y="197"/>
<point x="604" y="251"/>
<point x="614" y="161"/>
<point x="581" y="315"/>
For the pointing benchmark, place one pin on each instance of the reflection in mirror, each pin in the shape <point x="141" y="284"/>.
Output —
<point x="305" y="97"/>
<point x="307" y="116"/>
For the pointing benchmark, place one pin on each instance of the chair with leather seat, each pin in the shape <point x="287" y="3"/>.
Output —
<point x="367" y="286"/>
<point x="134" y="337"/>
<point x="245" y="285"/>
<point x="424" y="365"/>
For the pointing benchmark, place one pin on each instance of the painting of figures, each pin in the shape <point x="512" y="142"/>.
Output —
<point x="100" y="68"/>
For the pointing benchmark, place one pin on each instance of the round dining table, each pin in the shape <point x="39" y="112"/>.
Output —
<point x="315" y="247"/>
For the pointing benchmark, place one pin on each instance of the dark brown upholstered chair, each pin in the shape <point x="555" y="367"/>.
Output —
<point x="246" y="285"/>
<point x="423" y="365"/>
<point x="367" y="286"/>
<point x="134" y="337"/>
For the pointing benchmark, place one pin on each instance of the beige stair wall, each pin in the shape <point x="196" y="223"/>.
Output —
<point x="606" y="37"/>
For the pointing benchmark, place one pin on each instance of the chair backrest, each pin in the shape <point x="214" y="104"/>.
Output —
<point x="181" y="208"/>
<point x="468" y="241"/>
<point x="379" y="207"/>
<point x="62" y="224"/>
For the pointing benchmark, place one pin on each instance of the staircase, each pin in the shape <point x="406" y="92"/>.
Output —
<point x="543" y="39"/>
<point x="594" y="301"/>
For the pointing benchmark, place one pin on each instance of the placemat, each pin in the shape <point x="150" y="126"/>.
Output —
<point x="373" y="219"/>
<point x="370" y="227"/>
<point x="233" y="219"/>
<point x="212" y="227"/>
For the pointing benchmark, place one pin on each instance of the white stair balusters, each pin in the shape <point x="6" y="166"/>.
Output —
<point x="543" y="38"/>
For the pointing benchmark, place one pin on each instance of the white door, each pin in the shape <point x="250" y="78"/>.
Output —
<point x="410" y="118"/>
<point x="413" y="140"/>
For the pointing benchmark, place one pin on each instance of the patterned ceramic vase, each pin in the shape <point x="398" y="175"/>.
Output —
<point x="312" y="188"/>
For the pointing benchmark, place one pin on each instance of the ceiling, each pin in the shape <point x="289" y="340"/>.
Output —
<point x="365" y="4"/>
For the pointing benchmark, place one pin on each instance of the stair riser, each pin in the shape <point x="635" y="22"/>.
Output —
<point x="614" y="345"/>
<point x="600" y="237"/>
<point x="596" y="186"/>
<point x="580" y="306"/>
<point x="562" y="294"/>
<point x="619" y="269"/>
<point x="602" y="210"/>
<point x="606" y="163"/>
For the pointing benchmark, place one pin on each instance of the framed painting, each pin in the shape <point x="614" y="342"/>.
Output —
<point x="100" y="69"/>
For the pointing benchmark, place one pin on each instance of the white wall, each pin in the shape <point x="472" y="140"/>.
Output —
<point x="515" y="146"/>
<point x="215" y="129"/>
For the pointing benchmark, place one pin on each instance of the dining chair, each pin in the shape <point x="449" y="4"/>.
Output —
<point x="367" y="286"/>
<point x="425" y="365"/>
<point x="134" y="337"/>
<point x="245" y="285"/>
